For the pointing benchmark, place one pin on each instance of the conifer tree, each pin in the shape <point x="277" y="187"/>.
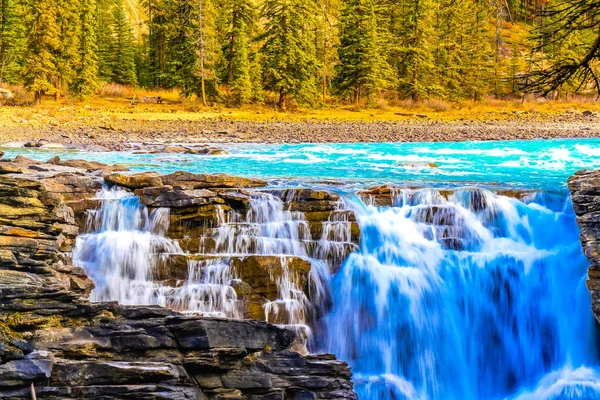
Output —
<point x="104" y="38"/>
<point x="87" y="68"/>
<point x="159" y="15"/>
<point x="239" y="19"/>
<point x="256" y="77"/>
<point x="42" y="43"/>
<point x="414" y="35"/>
<point x="462" y="48"/>
<point x="241" y="82"/>
<point x="290" y="65"/>
<point x="123" y="60"/>
<point x="67" y="54"/>
<point x="11" y="40"/>
<point x="206" y="50"/>
<point x="328" y="41"/>
<point x="363" y="67"/>
<point x="181" y="33"/>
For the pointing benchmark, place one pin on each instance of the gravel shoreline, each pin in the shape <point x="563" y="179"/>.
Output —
<point x="120" y="134"/>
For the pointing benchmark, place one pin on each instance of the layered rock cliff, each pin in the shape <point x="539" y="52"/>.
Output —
<point x="55" y="344"/>
<point x="585" y="192"/>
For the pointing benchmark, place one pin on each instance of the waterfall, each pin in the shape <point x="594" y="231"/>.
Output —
<point x="465" y="295"/>
<point x="460" y="294"/>
<point x="125" y="246"/>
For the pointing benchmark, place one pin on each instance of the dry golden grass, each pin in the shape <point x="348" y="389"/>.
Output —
<point x="114" y="104"/>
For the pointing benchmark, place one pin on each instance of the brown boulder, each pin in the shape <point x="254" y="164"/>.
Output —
<point x="262" y="272"/>
<point x="166" y="196"/>
<point x="135" y="181"/>
<point x="89" y="166"/>
<point x="207" y="181"/>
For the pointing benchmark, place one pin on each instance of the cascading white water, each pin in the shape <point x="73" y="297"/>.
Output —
<point x="269" y="229"/>
<point x="462" y="295"/>
<point x="474" y="297"/>
<point x="206" y="291"/>
<point x="125" y="245"/>
<point x="117" y="252"/>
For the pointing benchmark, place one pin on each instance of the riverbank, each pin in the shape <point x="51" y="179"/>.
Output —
<point x="113" y="125"/>
<point x="117" y="135"/>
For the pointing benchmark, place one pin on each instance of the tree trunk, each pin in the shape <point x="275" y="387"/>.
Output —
<point x="203" y="91"/>
<point x="201" y="51"/>
<point x="282" y="99"/>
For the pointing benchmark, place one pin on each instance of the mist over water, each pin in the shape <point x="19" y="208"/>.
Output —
<point x="452" y="294"/>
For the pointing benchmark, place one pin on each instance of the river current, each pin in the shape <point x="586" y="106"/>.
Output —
<point x="458" y="290"/>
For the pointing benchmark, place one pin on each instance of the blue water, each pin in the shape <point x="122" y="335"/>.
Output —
<point x="486" y="316"/>
<point x="539" y="164"/>
<point x="475" y="296"/>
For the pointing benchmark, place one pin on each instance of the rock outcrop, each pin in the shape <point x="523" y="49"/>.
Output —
<point x="585" y="193"/>
<point x="56" y="343"/>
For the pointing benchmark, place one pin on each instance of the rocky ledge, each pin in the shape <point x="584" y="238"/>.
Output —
<point x="55" y="344"/>
<point x="585" y="192"/>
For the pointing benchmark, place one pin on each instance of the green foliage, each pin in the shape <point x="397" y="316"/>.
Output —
<point x="42" y="45"/>
<point x="104" y="38"/>
<point x="11" y="40"/>
<point x="238" y="23"/>
<point x="290" y="65"/>
<point x="87" y="67"/>
<point x="123" y="50"/>
<point x="67" y="54"/>
<point x="364" y="67"/>
<point x="236" y="51"/>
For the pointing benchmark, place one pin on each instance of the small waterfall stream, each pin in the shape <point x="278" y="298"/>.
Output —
<point x="451" y="295"/>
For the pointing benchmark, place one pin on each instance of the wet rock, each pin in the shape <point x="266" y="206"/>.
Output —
<point x="92" y="373"/>
<point x="135" y="181"/>
<point x="204" y="334"/>
<point x="89" y="166"/>
<point x="208" y="181"/>
<point x="51" y="336"/>
<point x="7" y="167"/>
<point x="19" y="372"/>
<point x="166" y="196"/>
<point x="262" y="272"/>
<point x="256" y="277"/>
<point x="175" y="149"/>
<point x="585" y="194"/>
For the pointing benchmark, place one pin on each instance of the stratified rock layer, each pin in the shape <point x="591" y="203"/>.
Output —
<point x="55" y="342"/>
<point x="585" y="192"/>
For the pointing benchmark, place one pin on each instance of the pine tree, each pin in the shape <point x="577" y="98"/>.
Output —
<point x="123" y="60"/>
<point x="328" y="41"/>
<point x="67" y="54"/>
<point x="363" y="67"/>
<point x="87" y="68"/>
<point x="462" y="48"/>
<point x="238" y="22"/>
<point x="42" y="42"/>
<point x="11" y="40"/>
<point x="256" y="77"/>
<point x="241" y="83"/>
<point x="159" y="15"/>
<point x="104" y="38"/>
<point x="290" y="63"/>
<point x="180" y="33"/>
<point x="414" y="32"/>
